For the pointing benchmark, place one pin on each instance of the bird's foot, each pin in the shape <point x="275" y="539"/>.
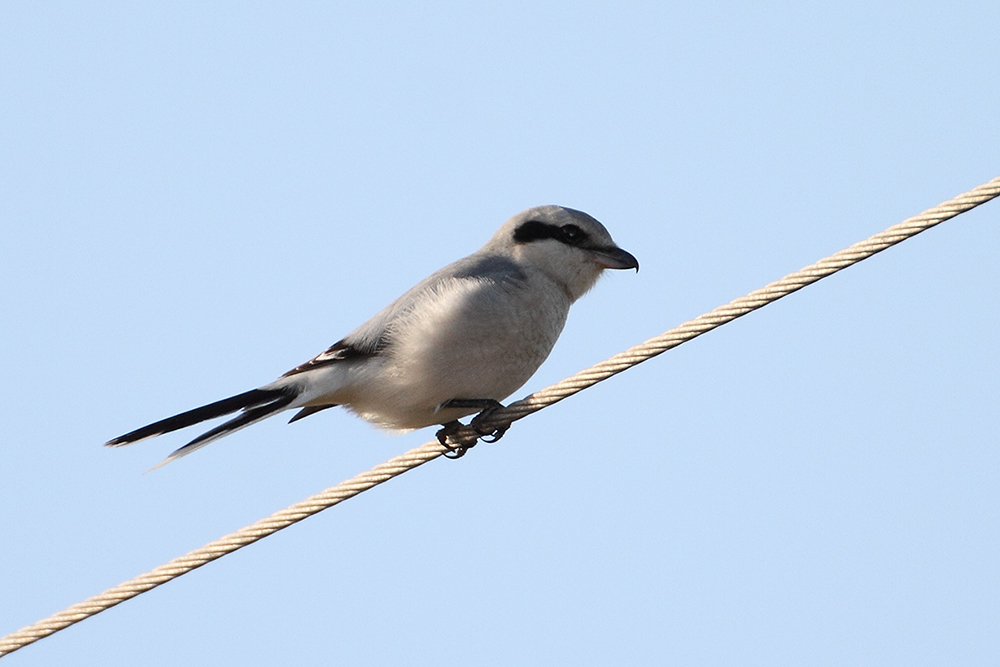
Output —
<point x="493" y="434"/>
<point x="488" y="407"/>
<point x="456" y="451"/>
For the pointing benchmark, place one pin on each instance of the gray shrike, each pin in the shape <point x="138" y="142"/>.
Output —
<point x="456" y="344"/>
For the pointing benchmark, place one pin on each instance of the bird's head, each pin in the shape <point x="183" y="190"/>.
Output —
<point x="569" y="246"/>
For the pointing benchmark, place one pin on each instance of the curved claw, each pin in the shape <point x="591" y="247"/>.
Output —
<point x="489" y="436"/>
<point x="455" y="452"/>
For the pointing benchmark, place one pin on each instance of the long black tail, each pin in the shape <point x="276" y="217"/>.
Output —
<point x="256" y="404"/>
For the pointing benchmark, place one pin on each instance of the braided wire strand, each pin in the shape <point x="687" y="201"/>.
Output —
<point x="743" y="305"/>
<point x="220" y="547"/>
<point x="503" y="417"/>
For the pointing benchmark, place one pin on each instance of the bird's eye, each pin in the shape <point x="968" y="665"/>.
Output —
<point x="572" y="234"/>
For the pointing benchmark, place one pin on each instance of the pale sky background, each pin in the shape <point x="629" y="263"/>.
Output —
<point x="195" y="197"/>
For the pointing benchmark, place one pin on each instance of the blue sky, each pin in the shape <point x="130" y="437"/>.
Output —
<point x="195" y="198"/>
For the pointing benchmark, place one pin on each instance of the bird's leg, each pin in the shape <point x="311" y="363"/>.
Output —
<point x="487" y="408"/>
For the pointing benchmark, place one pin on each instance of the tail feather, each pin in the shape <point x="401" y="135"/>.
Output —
<point x="250" y="415"/>
<point x="256" y="404"/>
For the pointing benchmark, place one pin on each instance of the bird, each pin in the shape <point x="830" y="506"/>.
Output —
<point x="456" y="344"/>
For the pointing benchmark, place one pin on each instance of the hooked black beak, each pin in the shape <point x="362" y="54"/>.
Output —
<point x="616" y="258"/>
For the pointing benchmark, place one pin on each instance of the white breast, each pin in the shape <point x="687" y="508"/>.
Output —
<point x="465" y="339"/>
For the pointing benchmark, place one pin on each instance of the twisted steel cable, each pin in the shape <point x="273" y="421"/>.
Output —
<point x="466" y="436"/>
